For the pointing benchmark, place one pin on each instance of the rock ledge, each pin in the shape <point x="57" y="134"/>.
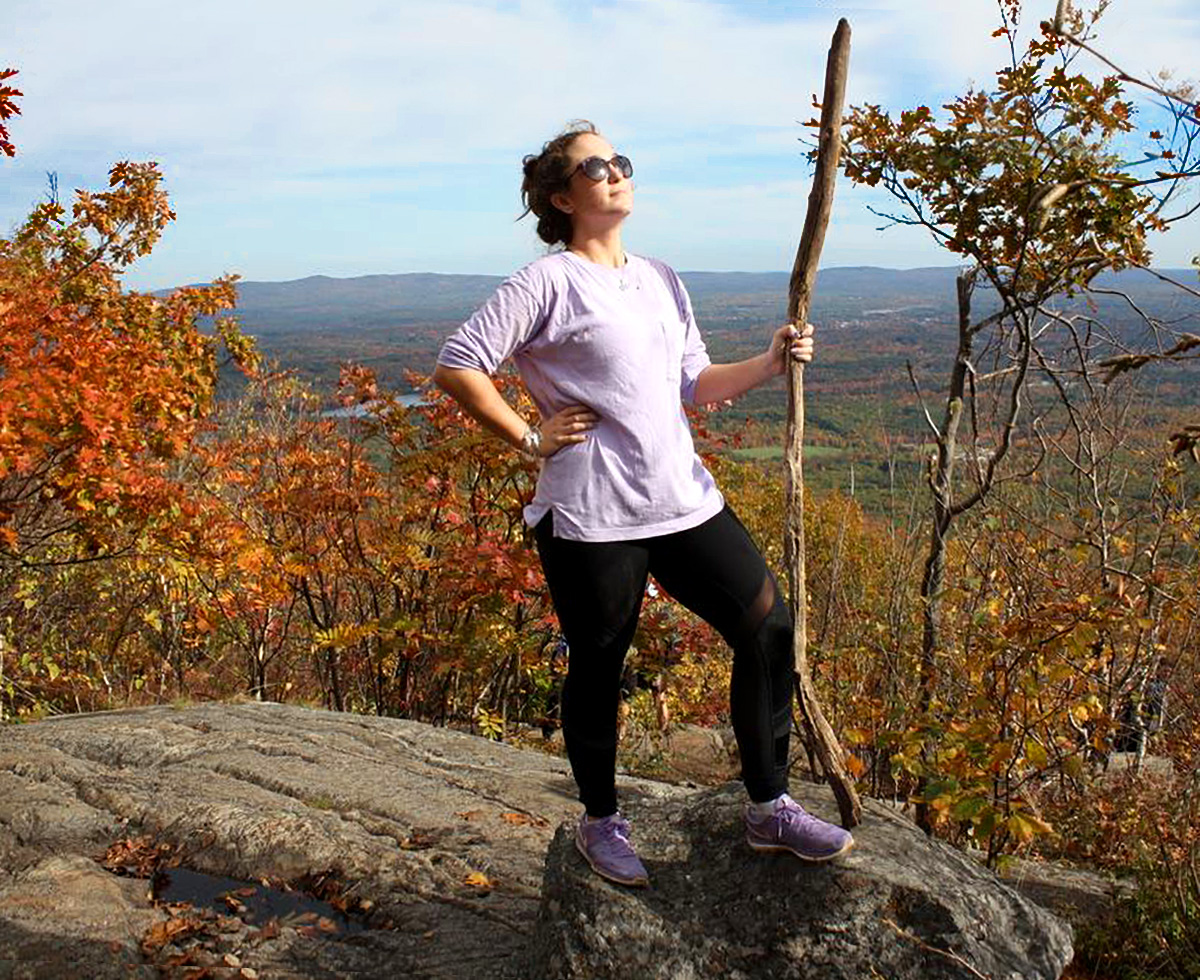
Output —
<point x="898" y="906"/>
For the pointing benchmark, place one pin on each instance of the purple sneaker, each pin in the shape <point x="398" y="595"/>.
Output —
<point x="792" y="828"/>
<point x="605" y="845"/>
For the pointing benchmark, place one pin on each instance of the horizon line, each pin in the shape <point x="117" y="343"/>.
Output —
<point x="683" y="272"/>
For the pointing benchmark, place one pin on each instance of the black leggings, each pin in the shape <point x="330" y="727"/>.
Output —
<point x="717" y="572"/>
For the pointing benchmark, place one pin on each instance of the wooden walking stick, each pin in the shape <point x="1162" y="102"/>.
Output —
<point x="804" y="274"/>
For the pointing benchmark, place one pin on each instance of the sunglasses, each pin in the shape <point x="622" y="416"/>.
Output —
<point x="597" y="169"/>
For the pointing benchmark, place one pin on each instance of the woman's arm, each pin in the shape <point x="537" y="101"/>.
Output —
<point x="719" y="382"/>
<point x="474" y="391"/>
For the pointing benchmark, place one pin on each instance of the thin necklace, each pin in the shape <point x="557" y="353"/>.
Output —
<point x="623" y="284"/>
<point x="621" y="270"/>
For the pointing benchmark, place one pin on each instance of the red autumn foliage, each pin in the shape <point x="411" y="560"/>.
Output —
<point x="8" y="109"/>
<point x="100" y="389"/>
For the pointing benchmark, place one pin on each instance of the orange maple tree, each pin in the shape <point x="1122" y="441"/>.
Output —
<point x="99" y="388"/>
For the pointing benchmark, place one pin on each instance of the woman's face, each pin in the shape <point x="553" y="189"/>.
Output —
<point x="594" y="205"/>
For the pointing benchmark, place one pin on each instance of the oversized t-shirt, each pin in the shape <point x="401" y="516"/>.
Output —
<point x="624" y="343"/>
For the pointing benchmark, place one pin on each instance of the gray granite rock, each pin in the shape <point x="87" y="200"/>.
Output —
<point x="403" y="812"/>
<point x="898" y="906"/>
<point x="67" y="917"/>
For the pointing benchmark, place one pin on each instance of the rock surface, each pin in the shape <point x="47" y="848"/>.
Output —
<point x="897" y="906"/>
<point x="68" y="913"/>
<point x="444" y="835"/>
<point x="1083" y="898"/>
<point x="405" y="812"/>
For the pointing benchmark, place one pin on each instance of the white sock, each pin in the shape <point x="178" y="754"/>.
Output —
<point x="765" y="809"/>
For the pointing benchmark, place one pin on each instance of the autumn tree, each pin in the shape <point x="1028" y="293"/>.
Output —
<point x="478" y="627"/>
<point x="1028" y="183"/>
<point x="101" y="389"/>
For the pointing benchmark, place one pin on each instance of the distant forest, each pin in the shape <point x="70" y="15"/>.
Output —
<point x="865" y="423"/>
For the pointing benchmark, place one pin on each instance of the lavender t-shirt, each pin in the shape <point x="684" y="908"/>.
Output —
<point x="624" y="343"/>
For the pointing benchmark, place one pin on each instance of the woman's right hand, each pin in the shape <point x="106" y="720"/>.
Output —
<point x="565" y="427"/>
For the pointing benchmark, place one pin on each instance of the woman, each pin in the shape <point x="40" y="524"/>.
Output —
<point x="609" y="350"/>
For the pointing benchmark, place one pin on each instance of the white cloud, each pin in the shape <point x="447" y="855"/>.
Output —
<point x="370" y="112"/>
<point x="419" y="82"/>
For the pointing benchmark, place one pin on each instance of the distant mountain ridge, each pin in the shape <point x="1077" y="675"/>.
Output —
<point x="327" y="303"/>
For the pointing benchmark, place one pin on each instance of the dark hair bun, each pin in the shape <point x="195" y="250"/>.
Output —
<point x="545" y="174"/>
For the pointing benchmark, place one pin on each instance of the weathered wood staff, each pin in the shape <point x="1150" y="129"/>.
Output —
<point x="804" y="274"/>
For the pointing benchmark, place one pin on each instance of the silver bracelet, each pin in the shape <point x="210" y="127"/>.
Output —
<point x="531" y="442"/>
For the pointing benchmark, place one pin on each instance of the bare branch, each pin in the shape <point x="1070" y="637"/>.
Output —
<point x="997" y="374"/>
<point x="1010" y="425"/>
<point x="1186" y="214"/>
<point x="921" y="398"/>
<point x="1167" y="279"/>
<point x="1131" y="362"/>
<point x="951" y="956"/>
<point x="1123" y="75"/>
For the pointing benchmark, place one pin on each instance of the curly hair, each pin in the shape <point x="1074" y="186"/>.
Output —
<point x="545" y="174"/>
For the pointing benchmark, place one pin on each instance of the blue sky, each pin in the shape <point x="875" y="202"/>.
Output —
<point x="367" y="136"/>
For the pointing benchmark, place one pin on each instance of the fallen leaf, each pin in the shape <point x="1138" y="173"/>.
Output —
<point x="477" y="879"/>
<point x="471" y="814"/>
<point x="161" y="933"/>
<point x="523" y="820"/>
<point x="139" y="857"/>
<point x="269" y="931"/>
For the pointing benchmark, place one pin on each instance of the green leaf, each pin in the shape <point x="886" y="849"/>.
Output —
<point x="985" y="823"/>
<point x="968" y="808"/>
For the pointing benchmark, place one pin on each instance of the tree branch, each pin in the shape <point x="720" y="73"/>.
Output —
<point x="804" y="273"/>
<point x="921" y="398"/>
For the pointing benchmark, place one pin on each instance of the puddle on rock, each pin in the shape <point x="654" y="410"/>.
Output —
<point x="252" y="902"/>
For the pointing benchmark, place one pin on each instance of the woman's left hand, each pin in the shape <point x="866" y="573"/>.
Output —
<point x="787" y="337"/>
